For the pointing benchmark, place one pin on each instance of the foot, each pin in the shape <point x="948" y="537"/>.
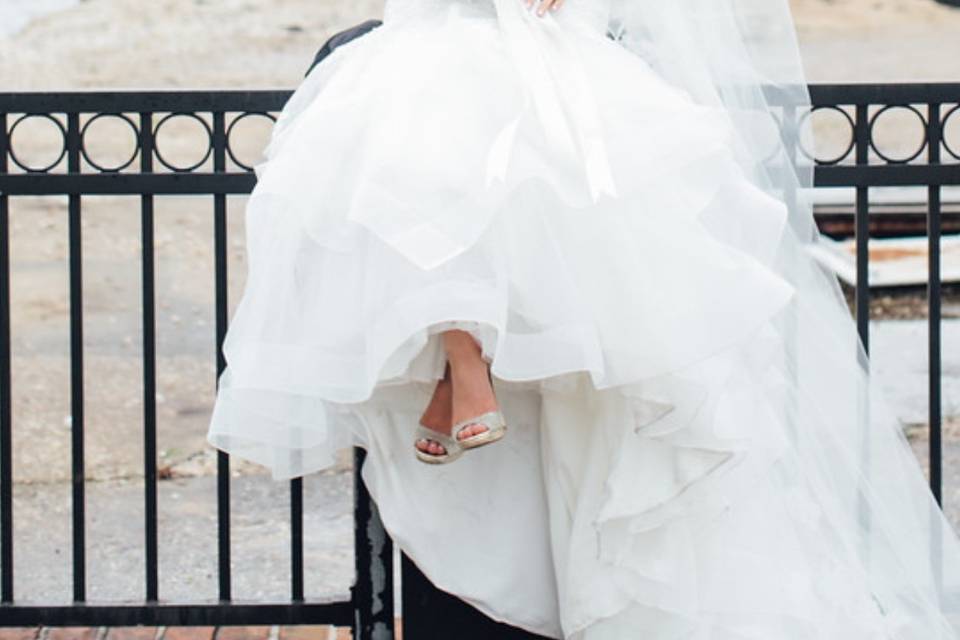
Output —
<point x="437" y="415"/>
<point x="472" y="393"/>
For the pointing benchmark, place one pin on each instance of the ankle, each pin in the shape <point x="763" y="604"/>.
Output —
<point x="467" y="366"/>
<point x="463" y="354"/>
<point x="459" y="343"/>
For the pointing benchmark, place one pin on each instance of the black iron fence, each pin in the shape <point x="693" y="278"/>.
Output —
<point x="73" y="173"/>
<point x="865" y="163"/>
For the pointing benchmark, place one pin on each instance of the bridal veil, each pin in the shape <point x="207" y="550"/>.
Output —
<point x="844" y="448"/>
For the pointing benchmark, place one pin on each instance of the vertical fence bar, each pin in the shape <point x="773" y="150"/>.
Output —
<point x="934" y="209"/>
<point x="76" y="362"/>
<point x="862" y="234"/>
<point x="934" y="137"/>
<point x="296" y="539"/>
<point x="862" y="229"/>
<point x="6" y="414"/>
<point x="148" y="304"/>
<point x="220" y="287"/>
<point x="373" y="549"/>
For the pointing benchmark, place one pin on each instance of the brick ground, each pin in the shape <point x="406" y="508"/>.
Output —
<point x="275" y="632"/>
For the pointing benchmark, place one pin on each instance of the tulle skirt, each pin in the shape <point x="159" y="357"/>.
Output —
<point x="648" y="485"/>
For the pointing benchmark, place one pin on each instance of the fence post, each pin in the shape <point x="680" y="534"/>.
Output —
<point x="373" y="589"/>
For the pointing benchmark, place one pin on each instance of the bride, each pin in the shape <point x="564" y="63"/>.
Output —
<point x="558" y="251"/>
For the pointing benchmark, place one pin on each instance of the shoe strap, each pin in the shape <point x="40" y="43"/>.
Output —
<point x="448" y="443"/>
<point x="493" y="420"/>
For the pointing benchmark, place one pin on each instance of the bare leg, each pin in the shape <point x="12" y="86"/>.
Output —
<point x="437" y="414"/>
<point x="467" y="392"/>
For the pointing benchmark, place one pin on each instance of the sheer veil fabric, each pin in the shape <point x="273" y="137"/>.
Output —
<point x="612" y="199"/>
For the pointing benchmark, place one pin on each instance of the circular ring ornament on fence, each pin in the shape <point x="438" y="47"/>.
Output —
<point x="837" y="159"/>
<point x="136" y="142"/>
<point x="923" y="131"/>
<point x="13" y="155"/>
<point x="242" y="116"/>
<point x="944" y="128"/>
<point x="156" y="138"/>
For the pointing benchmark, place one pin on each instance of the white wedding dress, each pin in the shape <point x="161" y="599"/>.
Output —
<point x="686" y="454"/>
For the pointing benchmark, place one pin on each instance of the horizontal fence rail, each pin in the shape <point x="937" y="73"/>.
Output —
<point x="74" y="172"/>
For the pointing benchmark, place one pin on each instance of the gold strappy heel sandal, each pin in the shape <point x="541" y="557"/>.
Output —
<point x="454" y="446"/>
<point x="493" y="420"/>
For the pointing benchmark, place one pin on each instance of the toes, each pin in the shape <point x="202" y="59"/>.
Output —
<point x="472" y="430"/>
<point x="429" y="446"/>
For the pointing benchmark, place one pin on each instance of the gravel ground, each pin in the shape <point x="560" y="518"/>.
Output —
<point x="907" y="303"/>
<point x="187" y="527"/>
<point x="253" y="43"/>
